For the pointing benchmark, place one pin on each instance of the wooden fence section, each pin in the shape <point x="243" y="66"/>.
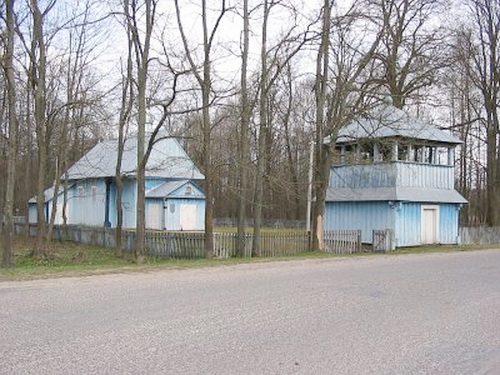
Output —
<point x="382" y="240"/>
<point x="283" y="243"/>
<point x="181" y="245"/>
<point x="479" y="235"/>
<point x="343" y="241"/>
<point x="169" y="245"/>
<point x="270" y="244"/>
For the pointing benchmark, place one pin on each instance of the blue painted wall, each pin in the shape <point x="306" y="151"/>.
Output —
<point x="172" y="212"/>
<point x="196" y="192"/>
<point x="151" y="183"/>
<point x="87" y="205"/>
<point x="87" y="202"/>
<point x="408" y="229"/>
<point x="386" y="174"/>
<point x="366" y="216"/>
<point x="448" y="223"/>
<point x="404" y="218"/>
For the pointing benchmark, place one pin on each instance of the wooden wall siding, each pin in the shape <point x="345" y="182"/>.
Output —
<point x="151" y="183"/>
<point x="365" y="216"/>
<point x="448" y="223"/>
<point x="155" y="214"/>
<point x="408" y="228"/>
<point x="181" y="192"/>
<point x="87" y="201"/>
<point x="172" y="212"/>
<point x="403" y="174"/>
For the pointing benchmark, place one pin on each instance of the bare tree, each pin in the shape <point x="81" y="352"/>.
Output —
<point x="204" y="79"/>
<point x="37" y="77"/>
<point x="274" y="61"/>
<point x="8" y="211"/>
<point x="142" y="49"/>
<point x="479" y="50"/>
<point x="244" y="147"/>
<point x="127" y="96"/>
<point x="412" y="50"/>
<point x="344" y="68"/>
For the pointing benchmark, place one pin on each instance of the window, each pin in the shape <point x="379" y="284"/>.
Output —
<point x="189" y="190"/>
<point x="93" y="192"/>
<point x="80" y="191"/>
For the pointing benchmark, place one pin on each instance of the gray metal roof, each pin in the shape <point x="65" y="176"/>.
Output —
<point x="394" y="194"/>
<point x="167" y="160"/>
<point x="391" y="122"/>
<point x="49" y="193"/>
<point x="168" y="187"/>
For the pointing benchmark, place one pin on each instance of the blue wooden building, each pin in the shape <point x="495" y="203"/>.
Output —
<point x="174" y="201"/>
<point x="395" y="172"/>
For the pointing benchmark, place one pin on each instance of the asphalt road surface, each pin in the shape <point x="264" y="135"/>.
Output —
<point x="411" y="314"/>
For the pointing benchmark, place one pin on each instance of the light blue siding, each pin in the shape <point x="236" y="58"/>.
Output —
<point x="172" y="212"/>
<point x="129" y="203"/>
<point x="87" y="202"/>
<point x="405" y="219"/>
<point x="409" y="224"/>
<point x="151" y="183"/>
<point x="404" y="174"/>
<point x="408" y="229"/>
<point x="365" y="216"/>
<point x="181" y="192"/>
<point x="448" y="223"/>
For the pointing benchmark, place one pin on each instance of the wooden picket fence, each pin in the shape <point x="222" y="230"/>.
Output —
<point x="343" y="241"/>
<point x="191" y="245"/>
<point x="479" y="235"/>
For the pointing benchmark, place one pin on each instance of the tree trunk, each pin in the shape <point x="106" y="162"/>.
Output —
<point x="321" y="159"/>
<point x="206" y="87"/>
<point x="142" y="49"/>
<point x="8" y="212"/>
<point x="38" y="81"/>
<point x="244" y="153"/>
<point x="261" y="161"/>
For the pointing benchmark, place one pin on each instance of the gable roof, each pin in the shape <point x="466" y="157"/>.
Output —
<point x="48" y="194"/>
<point x="167" y="160"/>
<point x="390" y="122"/>
<point x="168" y="187"/>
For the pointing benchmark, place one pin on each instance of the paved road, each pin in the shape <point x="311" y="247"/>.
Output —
<point x="413" y="314"/>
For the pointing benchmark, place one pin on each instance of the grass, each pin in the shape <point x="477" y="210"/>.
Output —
<point x="72" y="259"/>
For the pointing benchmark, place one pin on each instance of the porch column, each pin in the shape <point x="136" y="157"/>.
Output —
<point x="451" y="156"/>
<point x="395" y="151"/>
<point x="376" y="151"/>
<point x="107" y="223"/>
<point x="342" y="154"/>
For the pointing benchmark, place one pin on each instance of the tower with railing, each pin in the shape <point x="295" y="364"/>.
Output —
<point x="394" y="172"/>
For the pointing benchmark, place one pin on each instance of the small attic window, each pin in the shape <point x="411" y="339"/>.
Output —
<point x="189" y="190"/>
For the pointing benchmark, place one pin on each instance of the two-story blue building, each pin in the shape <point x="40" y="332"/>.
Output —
<point x="395" y="172"/>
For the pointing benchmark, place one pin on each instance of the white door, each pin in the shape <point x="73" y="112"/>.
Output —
<point x="430" y="224"/>
<point x="154" y="215"/>
<point x="187" y="216"/>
